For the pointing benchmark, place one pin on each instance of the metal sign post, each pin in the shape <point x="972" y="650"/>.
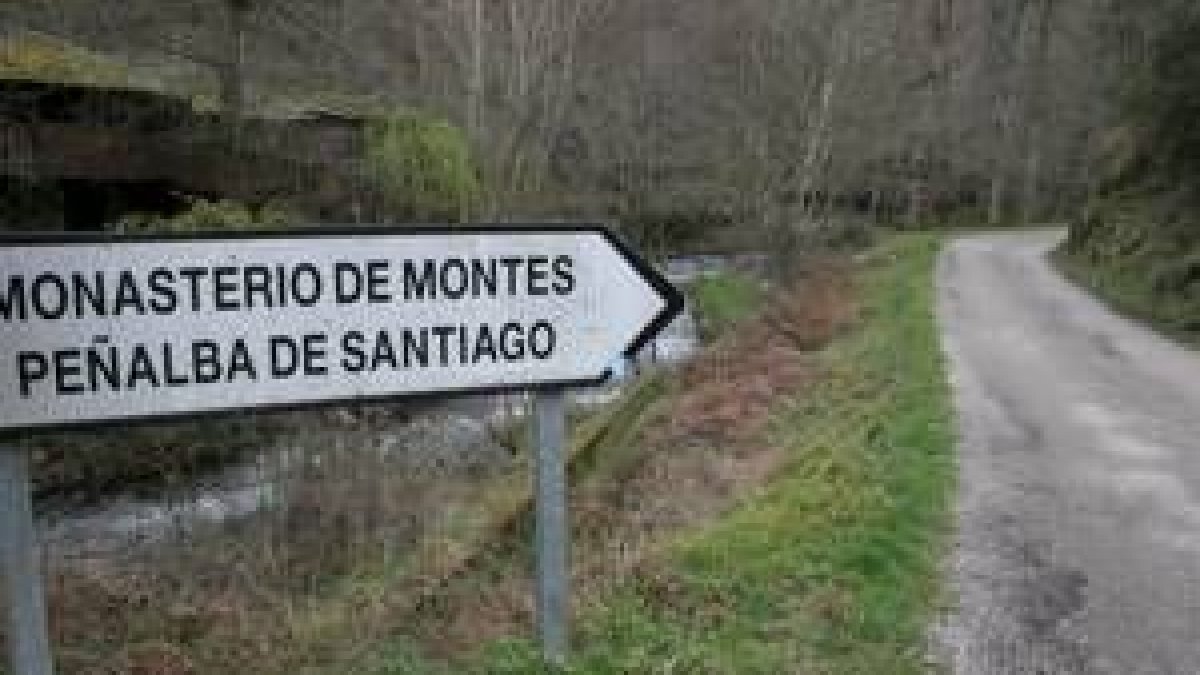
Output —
<point x="28" y="644"/>
<point x="552" y="535"/>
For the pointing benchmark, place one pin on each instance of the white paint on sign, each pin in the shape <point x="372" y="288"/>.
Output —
<point x="107" y="330"/>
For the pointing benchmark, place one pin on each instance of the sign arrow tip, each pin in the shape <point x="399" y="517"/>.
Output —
<point x="672" y="299"/>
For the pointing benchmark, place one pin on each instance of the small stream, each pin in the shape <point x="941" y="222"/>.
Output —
<point x="442" y="439"/>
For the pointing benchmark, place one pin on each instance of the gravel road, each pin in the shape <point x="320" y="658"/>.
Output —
<point x="1079" y="544"/>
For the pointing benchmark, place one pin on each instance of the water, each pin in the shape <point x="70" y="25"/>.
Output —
<point x="450" y="433"/>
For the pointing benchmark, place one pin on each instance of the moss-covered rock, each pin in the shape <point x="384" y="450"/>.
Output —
<point x="37" y="57"/>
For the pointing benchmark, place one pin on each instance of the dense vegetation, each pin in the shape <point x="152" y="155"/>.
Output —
<point x="1138" y="241"/>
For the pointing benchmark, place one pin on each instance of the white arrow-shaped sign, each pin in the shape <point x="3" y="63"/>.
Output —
<point x="96" y="329"/>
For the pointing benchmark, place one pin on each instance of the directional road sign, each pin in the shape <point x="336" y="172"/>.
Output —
<point x="100" y="329"/>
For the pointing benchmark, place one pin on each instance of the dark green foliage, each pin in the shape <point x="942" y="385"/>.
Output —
<point x="1143" y="257"/>
<point x="1138" y="244"/>
<point x="1164" y="105"/>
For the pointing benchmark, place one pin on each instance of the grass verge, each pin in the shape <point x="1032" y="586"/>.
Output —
<point x="1128" y="289"/>
<point x="825" y="564"/>
<point x="1139" y="257"/>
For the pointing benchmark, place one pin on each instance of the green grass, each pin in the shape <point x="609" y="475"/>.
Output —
<point x="832" y="568"/>
<point x="1126" y="289"/>
<point x="721" y="301"/>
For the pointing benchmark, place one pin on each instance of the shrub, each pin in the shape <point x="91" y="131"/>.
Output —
<point x="422" y="167"/>
<point x="208" y="215"/>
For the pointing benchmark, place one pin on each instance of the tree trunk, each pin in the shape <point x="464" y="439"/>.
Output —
<point x="475" y="84"/>
<point x="232" y="72"/>
<point x="1037" y="111"/>
<point x="996" y="200"/>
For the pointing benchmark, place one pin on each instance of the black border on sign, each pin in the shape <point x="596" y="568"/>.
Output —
<point x="673" y="303"/>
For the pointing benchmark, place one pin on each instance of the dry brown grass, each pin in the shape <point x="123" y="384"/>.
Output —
<point x="727" y="393"/>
